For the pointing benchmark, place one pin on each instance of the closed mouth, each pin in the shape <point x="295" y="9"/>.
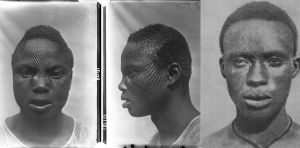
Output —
<point x="126" y="103"/>
<point x="40" y="102"/>
<point x="257" y="96"/>
<point x="124" y="98"/>
<point x="257" y="100"/>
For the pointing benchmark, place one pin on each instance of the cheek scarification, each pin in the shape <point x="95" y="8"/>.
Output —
<point x="149" y="75"/>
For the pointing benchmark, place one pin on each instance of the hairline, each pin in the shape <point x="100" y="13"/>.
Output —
<point x="262" y="19"/>
<point x="60" y="49"/>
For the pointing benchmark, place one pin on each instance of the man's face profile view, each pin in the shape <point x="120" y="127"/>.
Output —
<point x="142" y="82"/>
<point x="156" y="69"/>
<point x="258" y="64"/>
<point x="41" y="78"/>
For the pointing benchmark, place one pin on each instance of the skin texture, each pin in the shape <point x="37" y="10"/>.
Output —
<point x="259" y="58"/>
<point x="259" y="62"/>
<point x="41" y="70"/>
<point x="154" y="90"/>
<point x="143" y="82"/>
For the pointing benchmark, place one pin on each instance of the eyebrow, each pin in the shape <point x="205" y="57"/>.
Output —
<point x="56" y="66"/>
<point x="251" y="55"/>
<point x="51" y="67"/>
<point x="123" y="69"/>
<point x="20" y="66"/>
<point x="128" y="66"/>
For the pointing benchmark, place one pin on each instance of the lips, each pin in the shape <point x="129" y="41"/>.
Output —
<point x="257" y="99"/>
<point x="125" y="104"/>
<point x="40" y="104"/>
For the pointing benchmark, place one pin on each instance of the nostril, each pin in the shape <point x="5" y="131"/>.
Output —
<point x="41" y="90"/>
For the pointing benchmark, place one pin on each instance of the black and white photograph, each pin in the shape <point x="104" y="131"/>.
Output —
<point x="249" y="74"/>
<point x="48" y="70"/>
<point x="152" y="74"/>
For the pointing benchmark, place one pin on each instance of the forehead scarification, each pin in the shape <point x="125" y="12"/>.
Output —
<point x="39" y="60"/>
<point x="41" y="45"/>
<point x="258" y="35"/>
<point x="145" y="50"/>
<point x="40" y="53"/>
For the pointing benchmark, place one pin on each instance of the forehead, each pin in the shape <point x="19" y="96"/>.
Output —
<point x="258" y="35"/>
<point x="133" y="53"/>
<point x="40" y="52"/>
<point x="44" y="45"/>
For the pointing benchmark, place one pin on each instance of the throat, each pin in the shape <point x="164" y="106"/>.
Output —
<point x="41" y="134"/>
<point x="263" y="137"/>
<point x="174" y="119"/>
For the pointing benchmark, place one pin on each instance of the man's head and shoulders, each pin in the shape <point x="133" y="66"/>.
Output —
<point x="156" y="68"/>
<point x="42" y="73"/>
<point x="258" y="43"/>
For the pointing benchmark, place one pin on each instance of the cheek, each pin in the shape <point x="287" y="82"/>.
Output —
<point x="149" y="80"/>
<point x="20" y="85"/>
<point x="60" y="89"/>
<point x="235" y="78"/>
<point x="280" y="78"/>
<point x="62" y="85"/>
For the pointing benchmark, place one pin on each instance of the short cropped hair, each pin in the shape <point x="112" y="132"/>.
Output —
<point x="170" y="46"/>
<point x="45" y="32"/>
<point x="259" y="10"/>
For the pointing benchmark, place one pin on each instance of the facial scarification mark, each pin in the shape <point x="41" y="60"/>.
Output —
<point x="40" y="45"/>
<point x="38" y="54"/>
<point x="142" y="57"/>
<point x="250" y="44"/>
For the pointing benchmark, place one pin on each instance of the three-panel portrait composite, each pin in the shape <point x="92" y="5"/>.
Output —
<point x="149" y="74"/>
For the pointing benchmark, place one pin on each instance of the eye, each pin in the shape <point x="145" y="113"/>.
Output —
<point x="131" y="73"/>
<point x="26" y="73"/>
<point x="275" y="61"/>
<point x="56" y="74"/>
<point x="240" y="62"/>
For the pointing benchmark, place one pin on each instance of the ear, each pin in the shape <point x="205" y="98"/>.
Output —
<point x="174" y="72"/>
<point x="296" y="64"/>
<point x="222" y="66"/>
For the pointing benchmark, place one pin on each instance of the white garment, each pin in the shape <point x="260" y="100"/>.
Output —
<point x="80" y="137"/>
<point x="190" y="137"/>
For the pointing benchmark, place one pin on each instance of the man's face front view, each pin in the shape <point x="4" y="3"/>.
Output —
<point x="258" y="65"/>
<point x="143" y="84"/>
<point x="41" y="79"/>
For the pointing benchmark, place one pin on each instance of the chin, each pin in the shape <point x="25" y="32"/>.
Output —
<point x="137" y="114"/>
<point x="262" y="115"/>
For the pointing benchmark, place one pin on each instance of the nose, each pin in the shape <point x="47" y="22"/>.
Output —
<point x="257" y="75"/>
<point x="122" y="86"/>
<point x="40" y="84"/>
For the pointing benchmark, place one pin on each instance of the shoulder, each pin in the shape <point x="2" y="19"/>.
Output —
<point x="2" y="131"/>
<point x="292" y="138"/>
<point x="191" y="135"/>
<point x="6" y="137"/>
<point x="221" y="138"/>
<point x="154" y="142"/>
<point x="84" y="136"/>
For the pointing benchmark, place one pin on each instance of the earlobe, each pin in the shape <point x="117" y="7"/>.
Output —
<point x="174" y="72"/>
<point x="222" y="67"/>
<point x="296" y="64"/>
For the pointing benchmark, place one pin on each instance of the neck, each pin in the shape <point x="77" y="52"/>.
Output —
<point x="262" y="133"/>
<point x="25" y="125"/>
<point x="173" y="118"/>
